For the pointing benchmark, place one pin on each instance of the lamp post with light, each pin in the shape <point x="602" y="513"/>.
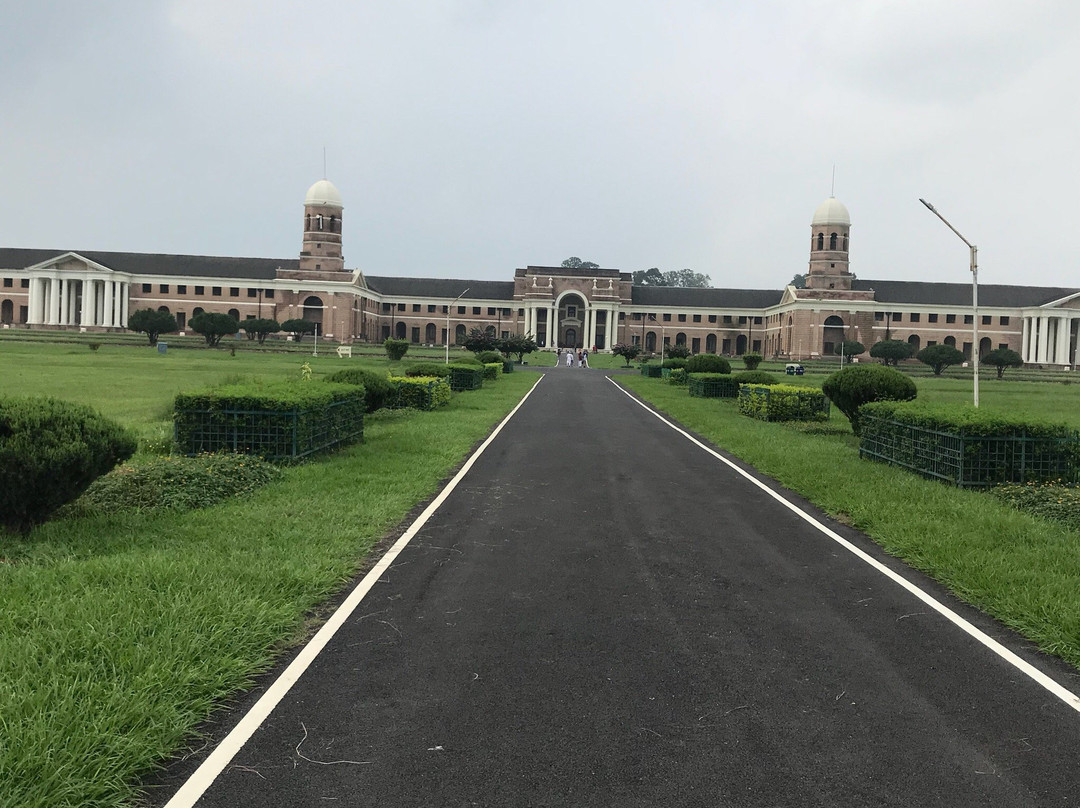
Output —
<point x="974" y="298"/>
<point x="447" y="340"/>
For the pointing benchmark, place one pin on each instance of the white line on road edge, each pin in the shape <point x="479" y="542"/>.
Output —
<point x="202" y="778"/>
<point x="1027" y="668"/>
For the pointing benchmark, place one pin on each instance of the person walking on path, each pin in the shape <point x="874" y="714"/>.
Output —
<point x="558" y="357"/>
<point x="569" y="358"/>
<point x="585" y="358"/>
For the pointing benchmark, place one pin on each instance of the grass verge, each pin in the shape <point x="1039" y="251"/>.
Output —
<point x="1021" y="569"/>
<point x="119" y="633"/>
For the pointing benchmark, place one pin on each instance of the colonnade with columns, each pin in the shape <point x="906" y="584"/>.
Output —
<point x="1047" y="339"/>
<point x="81" y="301"/>
<point x="532" y="322"/>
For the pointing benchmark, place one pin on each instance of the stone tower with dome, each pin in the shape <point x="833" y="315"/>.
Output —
<point x="321" y="250"/>
<point x="829" y="232"/>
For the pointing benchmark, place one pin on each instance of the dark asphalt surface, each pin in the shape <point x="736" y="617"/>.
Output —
<point x="602" y="614"/>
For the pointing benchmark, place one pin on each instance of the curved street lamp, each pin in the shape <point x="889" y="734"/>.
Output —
<point x="974" y="297"/>
<point x="447" y="340"/>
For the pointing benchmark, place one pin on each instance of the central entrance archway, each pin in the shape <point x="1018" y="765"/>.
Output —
<point x="571" y="322"/>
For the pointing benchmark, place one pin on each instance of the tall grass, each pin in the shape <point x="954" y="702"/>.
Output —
<point x="118" y="634"/>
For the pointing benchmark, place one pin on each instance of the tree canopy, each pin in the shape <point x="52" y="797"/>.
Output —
<point x="1002" y="358"/>
<point x="214" y="326"/>
<point x="891" y="351"/>
<point x="686" y="278"/>
<point x="799" y="282"/>
<point x="573" y="262"/>
<point x="298" y="328"/>
<point x="849" y="347"/>
<point x="481" y="339"/>
<point x="260" y="328"/>
<point x="519" y="344"/>
<point x="939" y="357"/>
<point x="626" y="351"/>
<point x="152" y="323"/>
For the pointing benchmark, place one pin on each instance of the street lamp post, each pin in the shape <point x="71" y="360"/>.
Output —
<point x="974" y="298"/>
<point x="663" y="336"/>
<point x="447" y="340"/>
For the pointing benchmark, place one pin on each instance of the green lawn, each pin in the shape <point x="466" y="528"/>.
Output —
<point x="1019" y="568"/>
<point x="118" y="634"/>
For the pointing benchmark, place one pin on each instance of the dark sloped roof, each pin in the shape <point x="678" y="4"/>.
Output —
<point x="441" y="287"/>
<point x="705" y="298"/>
<point x="158" y="264"/>
<point x="920" y="293"/>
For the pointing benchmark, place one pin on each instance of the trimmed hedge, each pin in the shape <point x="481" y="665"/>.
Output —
<point x="856" y="385"/>
<point x="420" y="392"/>
<point x="50" y="452"/>
<point x="175" y="482"/>
<point x="377" y="388"/>
<point x="783" y="402"/>
<point x="492" y="370"/>
<point x="466" y="377"/>
<point x="436" y="370"/>
<point x="490" y="357"/>
<point x="652" y="371"/>
<point x="675" y="362"/>
<point x="712" y="385"/>
<point x="707" y="363"/>
<point x="968" y="447"/>
<point x="677" y="376"/>
<point x="756" y="377"/>
<point x="276" y="421"/>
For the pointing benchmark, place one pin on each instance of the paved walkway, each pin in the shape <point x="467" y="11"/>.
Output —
<point x="603" y="614"/>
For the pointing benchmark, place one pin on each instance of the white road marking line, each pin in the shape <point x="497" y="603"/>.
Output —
<point x="203" y="777"/>
<point x="1040" y="678"/>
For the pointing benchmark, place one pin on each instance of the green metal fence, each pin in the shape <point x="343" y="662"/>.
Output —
<point x="710" y="386"/>
<point x="970" y="461"/>
<point x="466" y="378"/>
<point x="280" y="435"/>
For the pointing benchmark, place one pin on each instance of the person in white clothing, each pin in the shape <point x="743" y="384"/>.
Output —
<point x="569" y="359"/>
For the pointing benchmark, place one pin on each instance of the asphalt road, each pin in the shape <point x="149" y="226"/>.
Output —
<point x="603" y="614"/>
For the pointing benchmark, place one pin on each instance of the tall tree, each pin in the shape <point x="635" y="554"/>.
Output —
<point x="799" y="282"/>
<point x="687" y="278"/>
<point x="1002" y="358"/>
<point x="213" y="326"/>
<point x="152" y="323"/>
<point x="891" y="351"/>
<point x="939" y="357"/>
<point x="649" y="277"/>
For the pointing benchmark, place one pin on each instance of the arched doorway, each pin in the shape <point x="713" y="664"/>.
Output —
<point x="650" y="342"/>
<point x="710" y="343"/>
<point x="164" y="309"/>
<point x="571" y="322"/>
<point x="313" y="311"/>
<point x="7" y="311"/>
<point x="985" y="346"/>
<point x="915" y="342"/>
<point x="235" y="314"/>
<point x="400" y="329"/>
<point x="950" y="341"/>
<point x="832" y="334"/>
<point x="680" y="338"/>
<point x="459" y="334"/>
<point x="740" y="345"/>
<point x="429" y="334"/>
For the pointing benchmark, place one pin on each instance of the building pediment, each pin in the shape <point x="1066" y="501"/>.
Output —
<point x="1070" y="302"/>
<point x="70" y="262"/>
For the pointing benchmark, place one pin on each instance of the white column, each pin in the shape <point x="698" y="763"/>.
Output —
<point x="1040" y="348"/>
<point x="125" y="288"/>
<point x="552" y="311"/>
<point x="89" y="303"/>
<point x="1026" y="335"/>
<point x="530" y="315"/>
<point x="54" y="301"/>
<point x="107" y="319"/>
<point x="1061" y="354"/>
<point x="33" y="304"/>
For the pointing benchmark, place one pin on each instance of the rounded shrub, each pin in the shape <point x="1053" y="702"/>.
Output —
<point x="755" y="377"/>
<point x="377" y="387"/>
<point x="751" y="360"/>
<point x="50" y="452"/>
<point x="470" y="359"/>
<point x="677" y="362"/>
<point x="490" y="357"/>
<point x="707" y="363"/>
<point x="856" y="385"/>
<point x="395" y="348"/>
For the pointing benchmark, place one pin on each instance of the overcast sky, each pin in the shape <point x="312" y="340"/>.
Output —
<point x="470" y="137"/>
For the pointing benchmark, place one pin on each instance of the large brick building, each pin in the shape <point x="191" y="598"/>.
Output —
<point x="93" y="291"/>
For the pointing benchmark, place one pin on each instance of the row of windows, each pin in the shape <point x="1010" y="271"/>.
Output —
<point x="915" y="317"/>
<point x="182" y="289"/>
<point x="24" y="283"/>
<point x="492" y="311"/>
<point x="726" y="319"/>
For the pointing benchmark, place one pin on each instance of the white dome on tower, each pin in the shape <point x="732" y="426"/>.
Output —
<point x="831" y="211"/>
<point x="323" y="193"/>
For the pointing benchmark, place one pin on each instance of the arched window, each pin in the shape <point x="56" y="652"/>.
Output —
<point x="680" y="338"/>
<point x="950" y="341"/>
<point x="334" y="224"/>
<point x="985" y="346"/>
<point x="307" y="222"/>
<point x="490" y="330"/>
<point x="164" y="309"/>
<point x="459" y="335"/>
<point x="235" y="314"/>
<point x="650" y="341"/>
<point x="313" y="310"/>
<point x="710" y="343"/>
<point x="318" y="222"/>
<point x="845" y="242"/>
<point x="915" y="342"/>
<point x="399" y="329"/>
<point x="832" y="241"/>
<point x="197" y="311"/>
<point x="821" y="241"/>
<point x="740" y="345"/>
<point x="429" y="334"/>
